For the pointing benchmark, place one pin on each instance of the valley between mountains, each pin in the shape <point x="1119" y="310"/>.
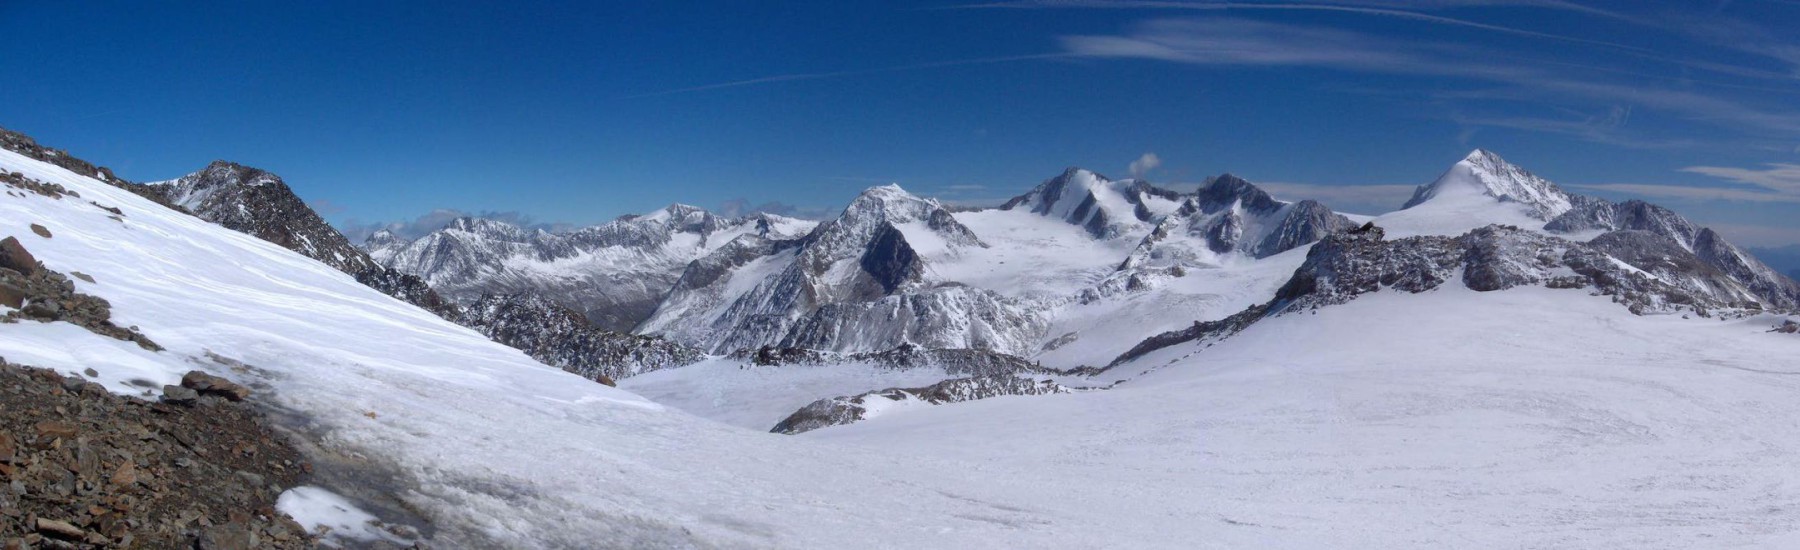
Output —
<point x="1097" y="362"/>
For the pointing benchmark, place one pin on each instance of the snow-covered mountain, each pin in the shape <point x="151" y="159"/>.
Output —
<point x="614" y="273"/>
<point x="1456" y="374"/>
<point x="260" y="204"/>
<point x="1485" y="174"/>
<point x="1485" y="189"/>
<point x="487" y="447"/>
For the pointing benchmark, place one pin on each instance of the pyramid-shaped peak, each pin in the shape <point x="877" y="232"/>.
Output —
<point x="1483" y="172"/>
<point x="1484" y="156"/>
<point x="1225" y="189"/>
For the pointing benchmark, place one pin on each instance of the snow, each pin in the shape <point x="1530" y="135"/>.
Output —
<point x="1456" y="210"/>
<point x="1106" y="328"/>
<point x="494" y="448"/>
<point x="1479" y="190"/>
<point x="316" y="508"/>
<point x="1529" y="418"/>
<point x="758" y="397"/>
<point x="1028" y="255"/>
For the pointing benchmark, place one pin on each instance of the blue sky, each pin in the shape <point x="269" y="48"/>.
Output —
<point x="579" y="112"/>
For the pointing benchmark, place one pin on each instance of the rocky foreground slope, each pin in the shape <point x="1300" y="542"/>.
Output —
<point x="84" y="468"/>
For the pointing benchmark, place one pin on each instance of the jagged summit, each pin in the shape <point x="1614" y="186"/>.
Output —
<point x="1484" y="173"/>
<point x="1105" y="207"/>
<point x="1221" y="191"/>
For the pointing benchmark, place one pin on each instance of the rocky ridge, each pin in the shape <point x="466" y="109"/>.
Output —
<point x="1647" y="273"/>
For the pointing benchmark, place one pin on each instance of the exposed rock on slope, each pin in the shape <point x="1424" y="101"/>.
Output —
<point x="36" y="293"/>
<point x="562" y="338"/>
<point x="89" y="469"/>
<point x="1665" y="278"/>
<point x="1581" y="217"/>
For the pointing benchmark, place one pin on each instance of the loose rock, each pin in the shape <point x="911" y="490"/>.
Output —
<point x="40" y="230"/>
<point x="60" y="529"/>
<point x="14" y="256"/>
<point x="214" y="385"/>
<point x="179" y="395"/>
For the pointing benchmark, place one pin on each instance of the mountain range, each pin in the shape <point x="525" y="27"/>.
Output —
<point x="1095" y="362"/>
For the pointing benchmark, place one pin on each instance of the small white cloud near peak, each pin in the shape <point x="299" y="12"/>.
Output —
<point x="1144" y="164"/>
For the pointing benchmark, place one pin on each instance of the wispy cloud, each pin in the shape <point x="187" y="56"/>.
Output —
<point x="1380" y="9"/>
<point x="1776" y="177"/>
<point x="1254" y="43"/>
<point x="1691" y="192"/>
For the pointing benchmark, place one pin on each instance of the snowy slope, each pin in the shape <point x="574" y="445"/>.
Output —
<point x="493" y="447"/>
<point x="1527" y="418"/>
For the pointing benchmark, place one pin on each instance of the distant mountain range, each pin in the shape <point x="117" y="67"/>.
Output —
<point x="1499" y="359"/>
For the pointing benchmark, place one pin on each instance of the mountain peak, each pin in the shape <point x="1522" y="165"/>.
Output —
<point x="1224" y="189"/>
<point x="1483" y="172"/>
<point x="472" y="224"/>
<point x="1483" y="156"/>
<point x="1105" y="207"/>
